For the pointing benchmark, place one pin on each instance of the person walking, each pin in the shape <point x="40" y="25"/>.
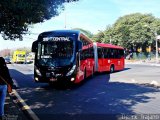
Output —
<point x="5" y="80"/>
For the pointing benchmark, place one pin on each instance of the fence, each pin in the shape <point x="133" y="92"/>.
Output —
<point x="141" y="56"/>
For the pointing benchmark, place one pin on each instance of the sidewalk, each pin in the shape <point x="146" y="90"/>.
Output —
<point x="143" y="62"/>
<point x="12" y="110"/>
<point x="17" y="109"/>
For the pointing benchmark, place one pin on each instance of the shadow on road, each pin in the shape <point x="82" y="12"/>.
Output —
<point x="125" y="69"/>
<point x="96" y="96"/>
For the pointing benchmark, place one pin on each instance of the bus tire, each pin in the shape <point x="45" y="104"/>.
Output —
<point x="92" y="72"/>
<point x="85" y="74"/>
<point x="112" y="69"/>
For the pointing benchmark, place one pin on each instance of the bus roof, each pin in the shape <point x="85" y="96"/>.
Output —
<point x="61" y="32"/>
<point x="109" y="46"/>
<point x="66" y="32"/>
<point x="86" y="38"/>
<point x="78" y="33"/>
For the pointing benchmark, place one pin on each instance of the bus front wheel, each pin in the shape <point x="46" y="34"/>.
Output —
<point x="92" y="72"/>
<point x="112" y="69"/>
<point x="85" y="74"/>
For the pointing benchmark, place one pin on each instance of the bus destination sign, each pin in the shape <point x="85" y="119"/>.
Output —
<point x="56" y="39"/>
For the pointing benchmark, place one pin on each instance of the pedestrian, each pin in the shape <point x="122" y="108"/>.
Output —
<point x="5" y="80"/>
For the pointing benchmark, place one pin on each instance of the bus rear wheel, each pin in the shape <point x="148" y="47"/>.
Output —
<point x="112" y="69"/>
<point x="92" y="72"/>
<point x="85" y="74"/>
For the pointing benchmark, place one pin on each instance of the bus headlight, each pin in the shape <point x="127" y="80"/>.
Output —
<point x="38" y="72"/>
<point x="71" y="71"/>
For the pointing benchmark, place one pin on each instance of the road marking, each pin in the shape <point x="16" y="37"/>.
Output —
<point x="24" y="106"/>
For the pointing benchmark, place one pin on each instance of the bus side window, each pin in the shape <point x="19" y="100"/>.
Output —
<point x="88" y="52"/>
<point x="115" y="53"/>
<point x="121" y="52"/>
<point x="111" y="53"/>
<point x="106" y="54"/>
<point x="100" y="53"/>
<point x="82" y="57"/>
<point x="92" y="53"/>
<point x="118" y="55"/>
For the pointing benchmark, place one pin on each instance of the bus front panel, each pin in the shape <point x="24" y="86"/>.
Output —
<point x="55" y="59"/>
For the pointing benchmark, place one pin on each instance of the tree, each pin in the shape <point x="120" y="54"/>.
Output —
<point x="99" y="37"/>
<point x="135" y="30"/>
<point x="104" y="36"/>
<point x="17" y="15"/>
<point x="86" y="32"/>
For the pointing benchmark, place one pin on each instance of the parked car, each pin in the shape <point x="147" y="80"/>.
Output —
<point x="7" y="60"/>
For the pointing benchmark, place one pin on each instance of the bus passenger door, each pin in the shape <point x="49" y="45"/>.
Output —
<point x="119" y="61"/>
<point x="116" y="57"/>
<point x="100" y="60"/>
<point x="107" y="59"/>
<point x="121" y="56"/>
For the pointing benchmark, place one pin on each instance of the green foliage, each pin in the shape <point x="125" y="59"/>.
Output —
<point x="98" y="37"/>
<point x="86" y="32"/>
<point x="133" y="31"/>
<point x="103" y="36"/>
<point x="17" y="15"/>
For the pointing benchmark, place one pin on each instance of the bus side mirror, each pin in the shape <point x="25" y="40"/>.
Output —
<point x="34" y="46"/>
<point x="79" y="46"/>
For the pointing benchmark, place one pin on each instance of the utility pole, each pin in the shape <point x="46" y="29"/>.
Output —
<point x="157" y="37"/>
<point x="155" y="33"/>
<point x="65" y="20"/>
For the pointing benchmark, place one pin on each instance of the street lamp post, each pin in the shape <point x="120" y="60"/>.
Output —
<point x="156" y="38"/>
<point x="65" y="20"/>
<point x="156" y="47"/>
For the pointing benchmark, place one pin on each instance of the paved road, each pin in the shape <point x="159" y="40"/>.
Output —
<point x="103" y="95"/>
<point x="138" y="74"/>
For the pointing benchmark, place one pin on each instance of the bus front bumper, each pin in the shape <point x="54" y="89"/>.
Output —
<point x="54" y="79"/>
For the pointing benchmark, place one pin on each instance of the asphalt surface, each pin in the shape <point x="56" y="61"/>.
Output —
<point x="12" y="109"/>
<point x="101" y="97"/>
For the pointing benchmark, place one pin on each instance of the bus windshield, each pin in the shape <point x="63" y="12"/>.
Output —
<point x="55" y="53"/>
<point x="21" y="55"/>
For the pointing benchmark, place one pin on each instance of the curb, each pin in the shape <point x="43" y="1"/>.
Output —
<point x="24" y="107"/>
<point x="141" y="63"/>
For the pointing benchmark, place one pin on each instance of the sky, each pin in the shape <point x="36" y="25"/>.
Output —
<point x="91" y="15"/>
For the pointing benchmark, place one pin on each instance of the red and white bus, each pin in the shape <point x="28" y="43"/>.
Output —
<point x="69" y="55"/>
<point x="110" y="57"/>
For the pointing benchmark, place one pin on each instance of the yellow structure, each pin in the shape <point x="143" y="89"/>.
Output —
<point x="139" y="49"/>
<point x="148" y="49"/>
<point x="19" y="56"/>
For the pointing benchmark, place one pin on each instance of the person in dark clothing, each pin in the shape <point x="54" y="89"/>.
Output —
<point x="5" y="79"/>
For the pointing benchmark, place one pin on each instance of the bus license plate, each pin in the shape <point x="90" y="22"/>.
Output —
<point x="53" y="79"/>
